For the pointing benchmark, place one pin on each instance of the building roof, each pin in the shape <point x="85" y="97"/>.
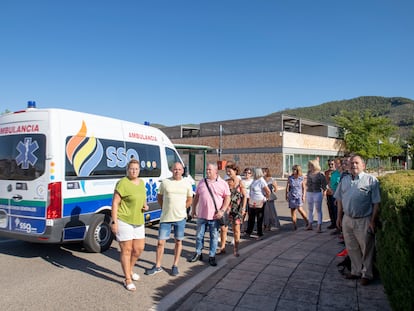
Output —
<point x="275" y="122"/>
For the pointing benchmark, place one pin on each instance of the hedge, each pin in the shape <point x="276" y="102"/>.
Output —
<point x="395" y="239"/>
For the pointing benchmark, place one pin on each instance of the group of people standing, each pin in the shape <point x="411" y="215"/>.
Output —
<point x="313" y="188"/>
<point x="353" y="199"/>
<point x="175" y="195"/>
<point x="232" y="201"/>
<point x="219" y="203"/>
<point x="215" y="199"/>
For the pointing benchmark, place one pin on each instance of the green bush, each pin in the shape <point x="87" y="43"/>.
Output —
<point x="395" y="239"/>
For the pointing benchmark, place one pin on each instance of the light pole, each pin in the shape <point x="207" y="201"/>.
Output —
<point x="220" y="141"/>
<point x="379" y="151"/>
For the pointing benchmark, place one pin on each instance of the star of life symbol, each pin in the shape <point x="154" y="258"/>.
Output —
<point x="151" y="191"/>
<point x="26" y="152"/>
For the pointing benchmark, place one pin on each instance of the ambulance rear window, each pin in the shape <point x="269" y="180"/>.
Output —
<point x="22" y="156"/>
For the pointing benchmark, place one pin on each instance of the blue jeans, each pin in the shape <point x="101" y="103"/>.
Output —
<point x="165" y="230"/>
<point x="213" y="226"/>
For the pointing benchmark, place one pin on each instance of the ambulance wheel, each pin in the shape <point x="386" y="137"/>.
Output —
<point x="99" y="237"/>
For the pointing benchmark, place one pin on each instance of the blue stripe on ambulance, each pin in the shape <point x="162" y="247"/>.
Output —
<point x="24" y="216"/>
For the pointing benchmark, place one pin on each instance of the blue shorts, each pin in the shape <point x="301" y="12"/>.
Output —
<point x="165" y="230"/>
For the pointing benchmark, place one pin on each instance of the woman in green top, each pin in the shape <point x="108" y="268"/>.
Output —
<point x="128" y="206"/>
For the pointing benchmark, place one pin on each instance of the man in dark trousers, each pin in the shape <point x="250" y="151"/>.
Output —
<point x="330" y="201"/>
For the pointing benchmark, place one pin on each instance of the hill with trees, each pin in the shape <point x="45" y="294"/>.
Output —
<point x="400" y="110"/>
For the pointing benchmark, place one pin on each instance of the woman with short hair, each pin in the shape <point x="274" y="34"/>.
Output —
<point x="259" y="191"/>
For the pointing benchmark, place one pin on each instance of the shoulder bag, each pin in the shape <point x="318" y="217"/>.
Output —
<point x="272" y="196"/>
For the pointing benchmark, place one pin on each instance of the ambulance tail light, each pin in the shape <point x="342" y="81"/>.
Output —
<point x="54" y="208"/>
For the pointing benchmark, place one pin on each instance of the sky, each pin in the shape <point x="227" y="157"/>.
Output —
<point x="192" y="61"/>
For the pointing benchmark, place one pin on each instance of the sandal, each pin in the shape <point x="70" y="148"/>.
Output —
<point x="135" y="276"/>
<point x="130" y="286"/>
<point x="221" y="251"/>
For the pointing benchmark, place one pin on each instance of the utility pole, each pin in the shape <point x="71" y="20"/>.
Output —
<point x="379" y="152"/>
<point x="220" y="141"/>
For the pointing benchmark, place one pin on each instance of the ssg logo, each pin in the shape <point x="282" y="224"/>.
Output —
<point x="26" y="153"/>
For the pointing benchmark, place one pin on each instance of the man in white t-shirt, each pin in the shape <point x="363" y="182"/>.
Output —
<point x="174" y="196"/>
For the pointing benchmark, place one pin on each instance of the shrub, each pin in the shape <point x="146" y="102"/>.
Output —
<point x="395" y="239"/>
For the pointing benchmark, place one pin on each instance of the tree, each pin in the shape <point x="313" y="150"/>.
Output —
<point x="368" y="135"/>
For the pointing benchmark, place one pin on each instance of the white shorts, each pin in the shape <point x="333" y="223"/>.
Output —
<point x="128" y="232"/>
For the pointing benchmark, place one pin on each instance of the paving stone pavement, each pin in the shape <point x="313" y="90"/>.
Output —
<point x="289" y="270"/>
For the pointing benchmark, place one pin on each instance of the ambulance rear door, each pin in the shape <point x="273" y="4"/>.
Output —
<point x="23" y="173"/>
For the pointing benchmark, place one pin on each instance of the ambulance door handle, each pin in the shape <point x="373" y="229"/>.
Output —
<point x="17" y="197"/>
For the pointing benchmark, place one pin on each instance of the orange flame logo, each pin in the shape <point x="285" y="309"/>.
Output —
<point x="83" y="152"/>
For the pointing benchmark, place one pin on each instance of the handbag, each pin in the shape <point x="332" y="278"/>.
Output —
<point x="224" y="220"/>
<point x="256" y="203"/>
<point x="273" y="196"/>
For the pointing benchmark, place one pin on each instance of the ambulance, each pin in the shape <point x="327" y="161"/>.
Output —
<point x="58" y="170"/>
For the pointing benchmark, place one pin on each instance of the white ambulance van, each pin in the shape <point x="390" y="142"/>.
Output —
<point x="58" y="170"/>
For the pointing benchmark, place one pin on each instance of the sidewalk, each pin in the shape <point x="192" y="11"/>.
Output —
<point x="288" y="270"/>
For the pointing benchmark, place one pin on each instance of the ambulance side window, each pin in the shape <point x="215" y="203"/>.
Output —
<point x="149" y="157"/>
<point x="97" y="158"/>
<point x="172" y="157"/>
<point x="93" y="158"/>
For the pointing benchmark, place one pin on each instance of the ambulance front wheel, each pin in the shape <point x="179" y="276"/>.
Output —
<point x="99" y="237"/>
